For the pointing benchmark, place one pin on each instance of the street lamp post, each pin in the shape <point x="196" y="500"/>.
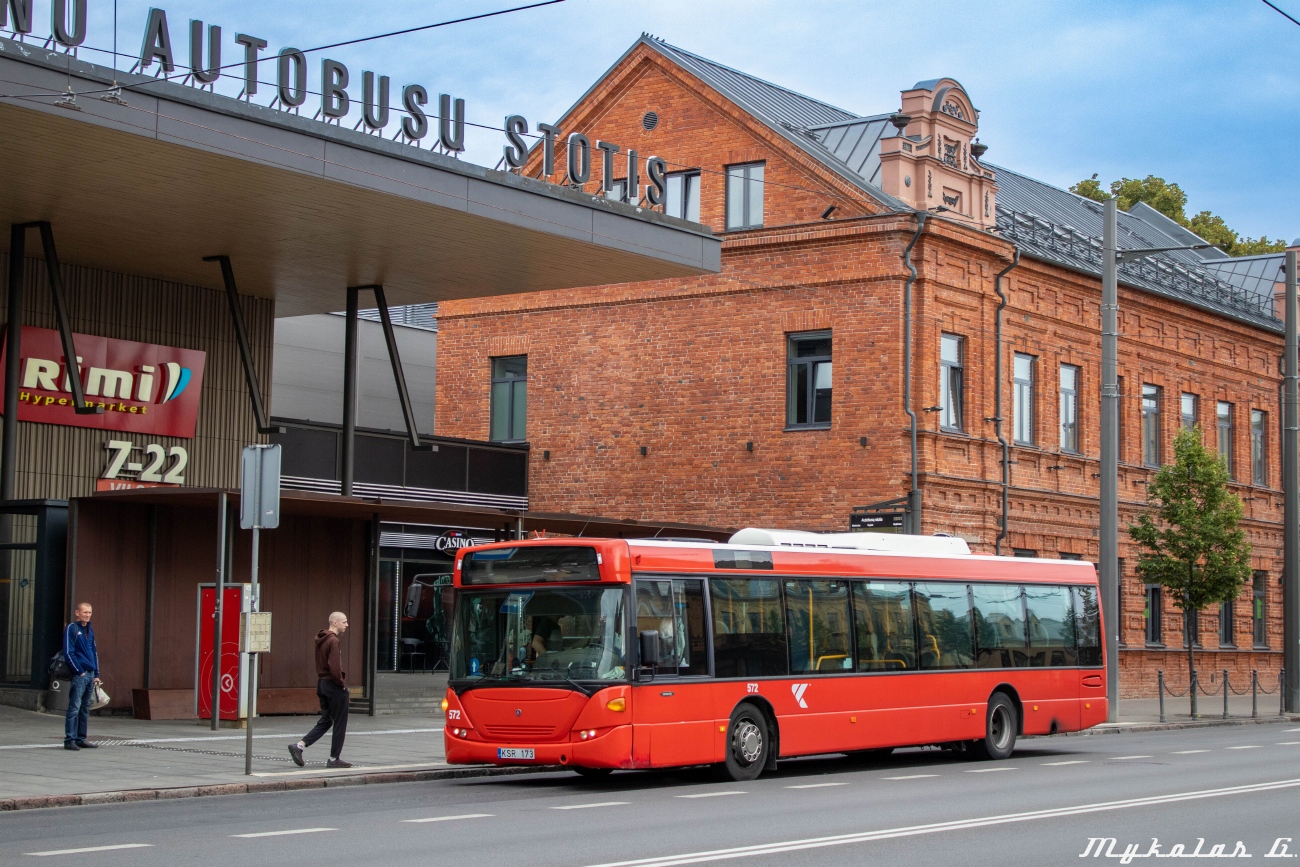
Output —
<point x="1108" y="533"/>
<point x="1291" y="494"/>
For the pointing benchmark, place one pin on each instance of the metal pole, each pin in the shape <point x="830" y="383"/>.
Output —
<point x="349" y="392"/>
<point x="1160" y="683"/>
<point x="1291" y="511"/>
<point x="1254" y="693"/>
<point x="252" y="669"/>
<point x="1225" y="693"/>
<point x="219" y="605"/>
<point x="1194" y="688"/>
<point x="13" y="346"/>
<point x="1108" y="565"/>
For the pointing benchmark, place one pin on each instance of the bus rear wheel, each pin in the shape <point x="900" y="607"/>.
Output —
<point x="748" y="743"/>
<point x="999" y="731"/>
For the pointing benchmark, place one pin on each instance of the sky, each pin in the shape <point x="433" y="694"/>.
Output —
<point x="1201" y="93"/>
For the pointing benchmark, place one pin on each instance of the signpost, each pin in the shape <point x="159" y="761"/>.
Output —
<point x="259" y="508"/>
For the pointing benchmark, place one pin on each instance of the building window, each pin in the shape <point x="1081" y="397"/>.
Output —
<point x="808" y="381"/>
<point x="682" y="196"/>
<point x="1258" y="447"/>
<point x="951" y="396"/>
<point x="745" y="196"/>
<point x="1154" y="615"/>
<point x="1024" y="552"/>
<point x="1151" y="425"/>
<point x="509" y="398"/>
<point x="1225" y="625"/>
<point x="1023" y="398"/>
<point x="1120" y="413"/>
<point x="1259" y="587"/>
<point x="1069" y="408"/>
<point x="1191" y="411"/>
<point x="1223" y="415"/>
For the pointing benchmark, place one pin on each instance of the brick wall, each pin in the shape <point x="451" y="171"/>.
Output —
<point x="694" y="370"/>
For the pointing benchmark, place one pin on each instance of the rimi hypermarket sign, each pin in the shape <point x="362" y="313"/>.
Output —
<point x="141" y="387"/>
<point x="338" y="92"/>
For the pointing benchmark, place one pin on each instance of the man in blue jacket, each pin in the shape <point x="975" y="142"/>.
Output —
<point x="79" y="651"/>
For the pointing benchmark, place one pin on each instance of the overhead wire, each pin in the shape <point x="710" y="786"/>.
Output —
<point x="1280" y="12"/>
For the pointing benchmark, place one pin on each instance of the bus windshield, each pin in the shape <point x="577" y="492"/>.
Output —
<point x="548" y="634"/>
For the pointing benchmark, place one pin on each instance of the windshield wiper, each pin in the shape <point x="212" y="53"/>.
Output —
<point x="485" y="679"/>
<point x="564" y="677"/>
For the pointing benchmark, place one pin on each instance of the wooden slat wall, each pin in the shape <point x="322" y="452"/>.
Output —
<point x="59" y="462"/>
<point x="309" y="567"/>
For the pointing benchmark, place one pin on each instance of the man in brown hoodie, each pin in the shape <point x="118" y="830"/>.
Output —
<point x="332" y="689"/>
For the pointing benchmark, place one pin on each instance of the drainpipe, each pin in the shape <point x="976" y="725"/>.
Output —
<point x="914" y="495"/>
<point x="997" y="412"/>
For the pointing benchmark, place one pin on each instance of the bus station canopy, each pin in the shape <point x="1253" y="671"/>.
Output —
<point x="303" y="208"/>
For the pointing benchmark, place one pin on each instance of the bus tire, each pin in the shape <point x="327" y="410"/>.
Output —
<point x="1000" y="729"/>
<point x="748" y="743"/>
<point x="593" y="773"/>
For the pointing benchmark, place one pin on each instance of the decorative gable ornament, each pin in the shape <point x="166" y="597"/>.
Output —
<point x="936" y="140"/>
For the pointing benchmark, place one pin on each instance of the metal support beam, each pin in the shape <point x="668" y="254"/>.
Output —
<point x="13" y="343"/>
<point x="13" y="348"/>
<point x="399" y="377"/>
<point x="349" y="393"/>
<point x="1108" y="562"/>
<point x="1291" y="488"/>
<point x="219" y="608"/>
<point x="245" y="353"/>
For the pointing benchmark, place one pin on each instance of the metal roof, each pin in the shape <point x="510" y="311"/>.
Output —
<point x="856" y="143"/>
<point x="1257" y="274"/>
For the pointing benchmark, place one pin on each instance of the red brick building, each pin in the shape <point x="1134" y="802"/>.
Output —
<point x="774" y="394"/>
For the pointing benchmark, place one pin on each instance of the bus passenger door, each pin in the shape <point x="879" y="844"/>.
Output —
<point x="672" y="711"/>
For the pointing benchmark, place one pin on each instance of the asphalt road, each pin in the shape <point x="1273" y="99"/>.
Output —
<point x="1045" y="805"/>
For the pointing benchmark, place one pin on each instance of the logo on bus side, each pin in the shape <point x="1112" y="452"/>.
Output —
<point x="799" y="689"/>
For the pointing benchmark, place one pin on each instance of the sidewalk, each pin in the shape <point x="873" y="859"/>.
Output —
<point x="185" y="755"/>
<point x="142" y="760"/>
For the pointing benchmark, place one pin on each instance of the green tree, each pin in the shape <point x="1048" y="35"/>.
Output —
<point x="1169" y="199"/>
<point x="1193" y="544"/>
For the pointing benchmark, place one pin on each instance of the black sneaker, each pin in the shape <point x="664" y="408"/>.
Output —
<point x="69" y="745"/>
<point x="296" y="752"/>
<point x="338" y="763"/>
<point x="87" y="745"/>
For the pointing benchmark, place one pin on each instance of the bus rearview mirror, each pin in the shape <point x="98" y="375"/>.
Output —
<point x="649" y="648"/>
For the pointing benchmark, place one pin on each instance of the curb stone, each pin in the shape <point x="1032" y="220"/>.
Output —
<point x="40" y="802"/>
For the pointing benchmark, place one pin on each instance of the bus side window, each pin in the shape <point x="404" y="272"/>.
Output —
<point x="1051" y="626"/>
<point x="674" y="608"/>
<point x="1087" y="625"/>
<point x="882" y="616"/>
<point x="817" y="615"/>
<point x="749" y="637"/>
<point x="999" y="611"/>
<point x="943" y="625"/>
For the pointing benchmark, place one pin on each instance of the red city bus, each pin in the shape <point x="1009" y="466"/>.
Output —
<point x="600" y="654"/>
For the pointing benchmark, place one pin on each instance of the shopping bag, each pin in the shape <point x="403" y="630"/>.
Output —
<point x="101" y="698"/>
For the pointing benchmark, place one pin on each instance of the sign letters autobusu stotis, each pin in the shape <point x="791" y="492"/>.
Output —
<point x="68" y="26"/>
<point x="205" y="64"/>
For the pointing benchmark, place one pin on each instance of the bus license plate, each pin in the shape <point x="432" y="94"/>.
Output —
<point x="513" y="753"/>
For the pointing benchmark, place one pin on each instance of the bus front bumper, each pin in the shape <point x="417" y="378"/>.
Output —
<point x="610" y="749"/>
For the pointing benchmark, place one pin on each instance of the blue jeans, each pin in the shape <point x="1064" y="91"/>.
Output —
<point x="81" y="692"/>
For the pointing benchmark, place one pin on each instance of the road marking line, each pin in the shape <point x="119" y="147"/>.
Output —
<point x="451" y="818"/>
<point x="1125" y="758"/>
<point x="912" y="777"/>
<point x="1245" y="747"/>
<point x="1070" y="762"/>
<point x="588" y="806"/>
<point x="1291" y="730"/>
<point x="1188" y="752"/>
<point x="92" y="849"/>
<point x="284" y="833"/>
<point x="711" y="794"/>
<point x="1287" y="743"/>
<point x="938" y="827"/>
<point x="989" y="770"/>
<point x="816" y="785"/>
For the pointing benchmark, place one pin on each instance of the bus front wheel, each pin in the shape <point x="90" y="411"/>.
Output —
<point x="1000" y="729"/>
<point x="748" y="743"/>
<point x="593" y="773"/>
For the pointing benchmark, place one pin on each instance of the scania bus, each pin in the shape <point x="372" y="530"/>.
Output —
<point x="599" y="654"/>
